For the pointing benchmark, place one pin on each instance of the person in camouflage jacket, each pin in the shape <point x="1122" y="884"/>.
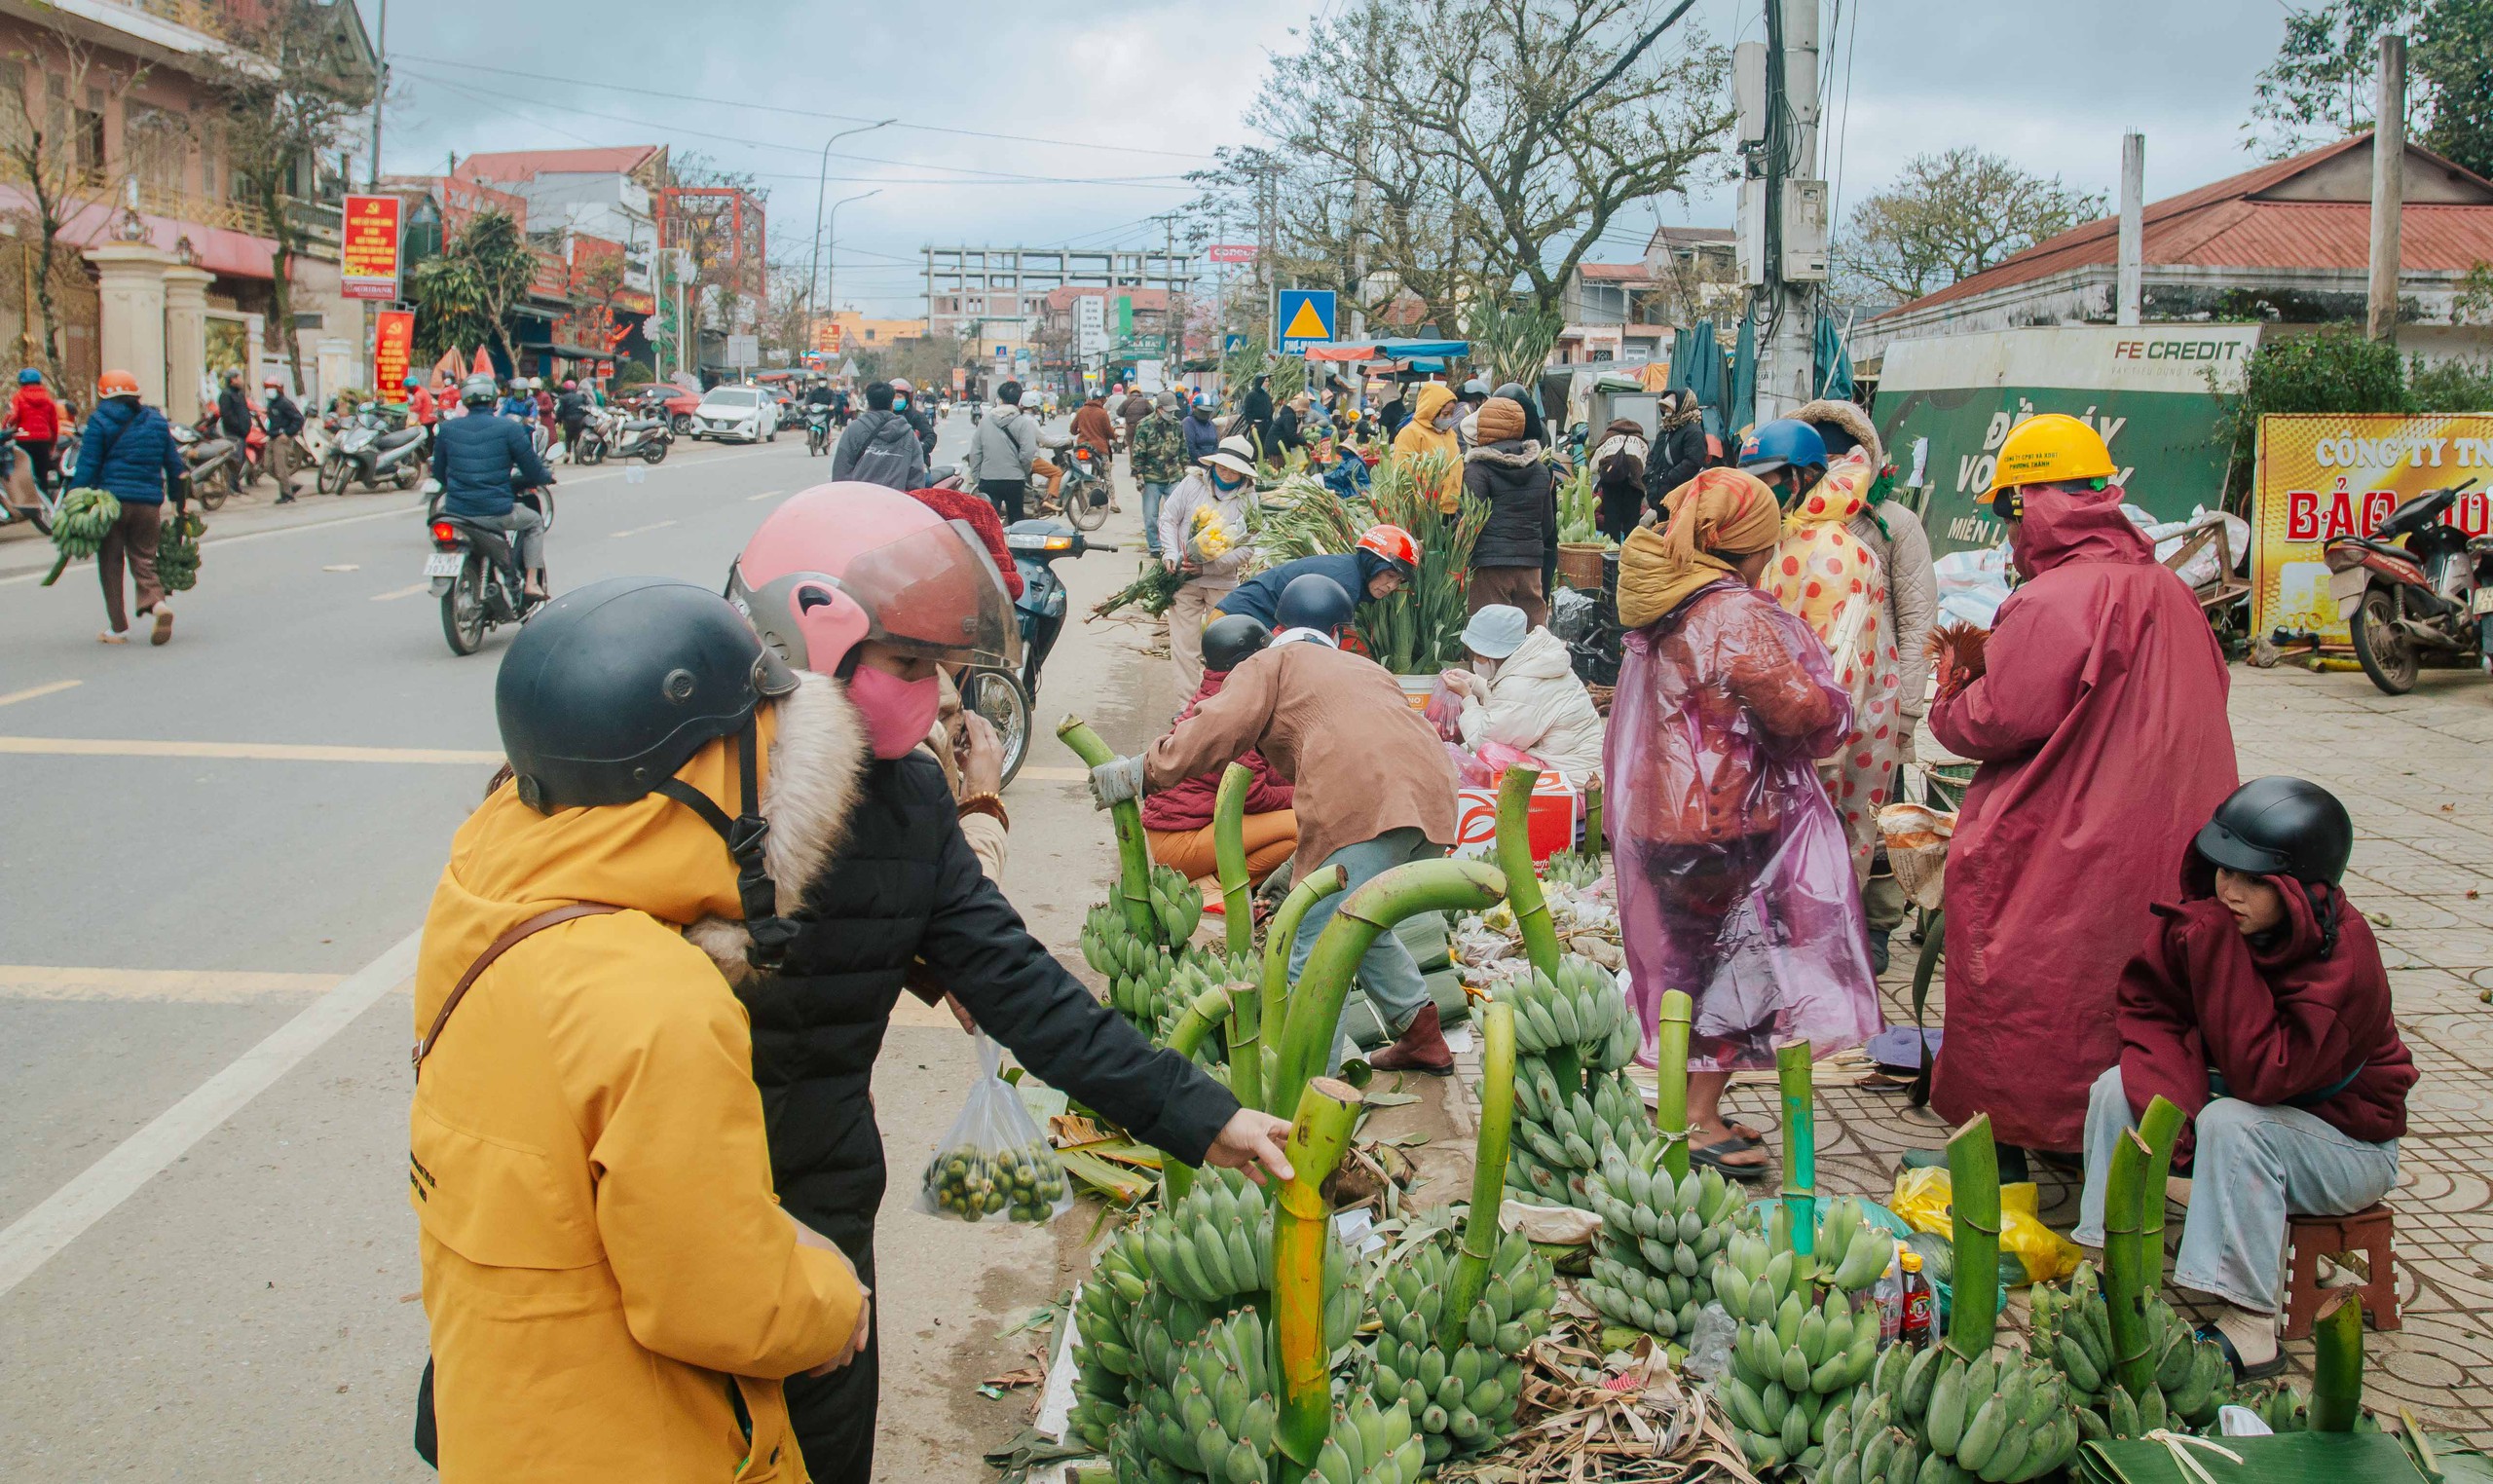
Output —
<point x="1158" y="460"/>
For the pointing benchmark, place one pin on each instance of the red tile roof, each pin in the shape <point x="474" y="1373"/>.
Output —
<point x="2226" y="224"/>
<point x="528" y="163"/>
<point x="1615" y="272"/>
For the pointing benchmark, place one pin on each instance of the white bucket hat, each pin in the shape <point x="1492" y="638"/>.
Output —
<point x="1496" y="631"/>
<point x="1235" y="453"/>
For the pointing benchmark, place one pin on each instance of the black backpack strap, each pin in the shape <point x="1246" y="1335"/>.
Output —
<point x="747" y="836"/>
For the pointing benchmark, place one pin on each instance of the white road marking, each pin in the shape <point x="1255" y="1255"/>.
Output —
<point x="408" y="591"/>
<point x="343" y="567"/>
<point x="638" y="530"/>
<point x="765" y="495"/>
<point x="256" y="752"/>
<point x="195" y="987"/>
<point x="32" y="692"/>
<point x="37" y="1237"/>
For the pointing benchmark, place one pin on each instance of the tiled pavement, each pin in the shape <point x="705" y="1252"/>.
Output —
<point x="2409" y="769"/>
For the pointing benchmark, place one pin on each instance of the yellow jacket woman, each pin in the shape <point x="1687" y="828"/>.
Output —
<point x="612" y="1290"/>
<point x="1435" y="414"/>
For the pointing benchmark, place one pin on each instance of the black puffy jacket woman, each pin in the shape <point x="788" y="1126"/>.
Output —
<point x="1678" y="451"/>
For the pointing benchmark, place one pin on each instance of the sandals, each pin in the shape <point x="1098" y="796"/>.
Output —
<point x="1713" y="1157"/>
<point x="2272" y="1366"/>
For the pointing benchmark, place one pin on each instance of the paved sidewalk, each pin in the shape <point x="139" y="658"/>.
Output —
<point x="2409" y="769"/>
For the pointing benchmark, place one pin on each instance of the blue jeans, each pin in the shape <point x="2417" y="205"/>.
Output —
<point x="1154" y="491"/>
<point x="1388" y="972"/>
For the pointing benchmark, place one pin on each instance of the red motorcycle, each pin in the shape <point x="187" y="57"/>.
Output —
<point x="2416" y="586"/>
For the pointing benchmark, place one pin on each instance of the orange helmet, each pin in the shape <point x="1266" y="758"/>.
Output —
<point x="116" y="384"/>
<point x="1395" y="544"/>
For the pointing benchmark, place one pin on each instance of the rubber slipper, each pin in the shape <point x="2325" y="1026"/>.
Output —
<point x="1711" y="1157"/>
<point x="2272" y="1366"/>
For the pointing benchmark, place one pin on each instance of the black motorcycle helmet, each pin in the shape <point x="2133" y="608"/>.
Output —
<point x="1231" y="640"/>
<point x="2280" y="827"/>
<point x="1312" y="601"/>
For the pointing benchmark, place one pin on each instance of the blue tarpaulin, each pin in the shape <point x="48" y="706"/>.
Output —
<point x="1696" y="367"/>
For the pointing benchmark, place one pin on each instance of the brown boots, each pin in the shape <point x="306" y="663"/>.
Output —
<point x="1421" y="1048"/>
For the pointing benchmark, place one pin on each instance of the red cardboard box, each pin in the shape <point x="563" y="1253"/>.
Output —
<point x="1550" y="821"/>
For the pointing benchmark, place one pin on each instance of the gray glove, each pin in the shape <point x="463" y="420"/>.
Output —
<point x="1116" y="781"/>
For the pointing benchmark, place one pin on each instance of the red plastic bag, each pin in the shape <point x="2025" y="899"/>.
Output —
<point x="1444" y="709"/>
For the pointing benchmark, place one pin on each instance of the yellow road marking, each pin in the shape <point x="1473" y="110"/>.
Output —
<point x="408" y="591"/>
<point x="192" y="986"/>
<point x="32" y="692"/>
<point x="257" y="752"/>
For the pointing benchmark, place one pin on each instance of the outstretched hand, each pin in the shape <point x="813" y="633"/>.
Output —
<point x="1253" y="1141"/>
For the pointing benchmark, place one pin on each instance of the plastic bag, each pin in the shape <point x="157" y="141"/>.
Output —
<point x="1572" y="614"/>
<point x="995" y="1161"/>
<point x="1444" y="709"/>
<point x="1924" y="1198"/>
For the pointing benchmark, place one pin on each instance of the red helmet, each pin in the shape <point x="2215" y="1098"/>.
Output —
<point x="842" y="562"/>
<point x="1395" y="544"/>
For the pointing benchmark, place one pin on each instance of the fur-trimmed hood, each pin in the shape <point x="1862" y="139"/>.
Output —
<point x="817" y="752"/>
<point x="1514" y="453"/>
<point x="1850" y="416"/>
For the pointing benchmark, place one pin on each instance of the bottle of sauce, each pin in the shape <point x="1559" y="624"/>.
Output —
<point x="1921" y="1306"/>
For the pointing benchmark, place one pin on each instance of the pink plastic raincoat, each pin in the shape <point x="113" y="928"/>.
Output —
<point x="2102" y="732"/>
<point x="1733" y="880"/>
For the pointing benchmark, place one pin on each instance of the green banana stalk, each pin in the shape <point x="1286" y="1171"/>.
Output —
<point x="1793" y="1069"/>
<point x="1209" y="1009"/>
<point x="1316" y="1010"/>
<point x="2160" y="1127"/>
<point x="1134" y="851"/>
<point x="1670" y="1108"/>
<point x="1229" y="853"/>
<point x="1514" y="858"/>
<point x="1272" y="1003"/>
<point x="2338" y="1365"/>
<point x="1488" y="1171"/>
<point x="1973" y="1172"/>
<point x="1302" y="1229"/>
<point x="2125" y="1287"/>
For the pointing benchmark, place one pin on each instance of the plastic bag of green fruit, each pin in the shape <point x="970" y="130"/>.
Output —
<point x="996" y="1164"/>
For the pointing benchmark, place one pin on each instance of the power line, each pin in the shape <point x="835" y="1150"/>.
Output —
<point x="803" y="113"/>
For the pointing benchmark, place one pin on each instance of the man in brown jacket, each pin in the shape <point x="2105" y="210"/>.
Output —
<point x="1367" y="807"/>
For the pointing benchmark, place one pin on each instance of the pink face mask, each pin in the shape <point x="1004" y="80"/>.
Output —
<point x="899" y="713"/>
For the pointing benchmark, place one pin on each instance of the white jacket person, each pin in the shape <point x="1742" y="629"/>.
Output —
<point x="1521" y="690"/>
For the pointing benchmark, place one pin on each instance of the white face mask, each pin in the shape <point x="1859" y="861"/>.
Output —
<point x="1486" y="669"/>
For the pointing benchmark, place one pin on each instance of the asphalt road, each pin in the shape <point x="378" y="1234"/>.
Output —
<point x="216" y="855"/>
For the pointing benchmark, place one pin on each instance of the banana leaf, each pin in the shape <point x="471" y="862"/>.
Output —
<point x="2292" y="1458"/>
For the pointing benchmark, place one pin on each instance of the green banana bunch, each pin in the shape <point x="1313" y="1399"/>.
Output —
<point x="1652" y="1262"/>
<point x="1802" y="1348"/>
<point x="1573" y="870"/>
<point x="1561" y="1134"/>
<point x="1177" y="904"/>
<point x="1464" y="1402"/>
<point x="177" y="551"/>
<point x="1930" y="1416"/>
<point x="1582" y="1009"/>
<point x="2073" y="1331"/>
<point x="78" y="530"/>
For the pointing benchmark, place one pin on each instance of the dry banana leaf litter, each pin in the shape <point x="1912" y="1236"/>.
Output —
<point x="1584" y="1422"/>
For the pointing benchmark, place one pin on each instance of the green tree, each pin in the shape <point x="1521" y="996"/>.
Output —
<point x="465" y="295"/>
<point x="2453" y="53"/>
<point x="1949" y="217"/>
<point x="2323" y="84"/>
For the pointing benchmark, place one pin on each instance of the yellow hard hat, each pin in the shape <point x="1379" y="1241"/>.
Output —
<point x="2051" y="448"/>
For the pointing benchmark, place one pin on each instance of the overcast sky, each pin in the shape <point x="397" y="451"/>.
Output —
<point x="2050" y="84"/>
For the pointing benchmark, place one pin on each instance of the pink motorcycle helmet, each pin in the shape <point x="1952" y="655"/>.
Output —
<point x="839" y="564"/>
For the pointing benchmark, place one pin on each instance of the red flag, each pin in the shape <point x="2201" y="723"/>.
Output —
<point x="484" y="365"/>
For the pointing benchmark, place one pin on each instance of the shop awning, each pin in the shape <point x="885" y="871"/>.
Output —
<point x="1392" y="349"/>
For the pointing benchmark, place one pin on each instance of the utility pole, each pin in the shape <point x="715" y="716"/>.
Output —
<point x="379" y="86"/>
<point x="1362" y="188"/>
<point x="2129" y="292"/>
<point x="1794" y="249"/>
<point x="2389" y="188"/>
<point x="822" y="185"/>
<point x="1173" y="313"/>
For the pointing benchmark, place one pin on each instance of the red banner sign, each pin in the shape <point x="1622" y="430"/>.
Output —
<point x="394" y="343"/>
<point x="368" y="247"/>
<point x="1233" y="252"/>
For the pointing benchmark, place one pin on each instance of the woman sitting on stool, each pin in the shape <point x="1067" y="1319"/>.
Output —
<point x="1177" y="820"/>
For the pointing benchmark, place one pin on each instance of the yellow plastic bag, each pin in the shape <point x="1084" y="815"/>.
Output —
<point x="1924" y="1197"/>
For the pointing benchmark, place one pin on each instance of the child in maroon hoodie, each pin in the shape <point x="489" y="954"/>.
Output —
<point x="2258" y="1005"/>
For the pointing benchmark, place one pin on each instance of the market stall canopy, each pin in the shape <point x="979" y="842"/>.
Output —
<point x="1392" y="349"/>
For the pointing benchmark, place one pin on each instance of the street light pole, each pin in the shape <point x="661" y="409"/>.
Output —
<point x="831" y="268"/>
<point x="821" y="188"/>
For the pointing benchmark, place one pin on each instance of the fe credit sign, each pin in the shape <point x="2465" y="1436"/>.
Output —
<point x="368" y="247"/>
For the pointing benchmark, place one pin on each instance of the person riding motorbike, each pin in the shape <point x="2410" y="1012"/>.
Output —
<point x="612" y="1289"/>
<point x="474" y="459"/>
<point x="905" y="402"/>
<point x="36" y="416"/>
<point x="871" y="591"/>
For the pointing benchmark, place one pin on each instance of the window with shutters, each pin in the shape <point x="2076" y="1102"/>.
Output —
<point x="155" y="147"/>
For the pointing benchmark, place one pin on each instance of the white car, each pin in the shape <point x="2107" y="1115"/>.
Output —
<point x="745" y="414"/>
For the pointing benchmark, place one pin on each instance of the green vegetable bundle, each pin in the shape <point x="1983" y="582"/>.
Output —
<point x="177" y="552"/>
<point x="1579" y="508"/>
<point x="1024" y="1185"/>
<point x="1654" y="1261"/>
<point x="2190" y="1380"/>
<point x="1464" y="1397"/>
<point x="1801" y="1348"/>
<point x="1421" y="627"/>
<point x="78" y="530"/>
<point x="1151" y="592"/>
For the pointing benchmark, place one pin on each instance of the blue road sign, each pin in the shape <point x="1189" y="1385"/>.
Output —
<point x="1306" y="318"/>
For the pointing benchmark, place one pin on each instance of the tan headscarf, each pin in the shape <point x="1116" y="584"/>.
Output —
<point x="1720" y="510"/>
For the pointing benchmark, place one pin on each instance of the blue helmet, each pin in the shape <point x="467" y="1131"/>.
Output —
<point x="29" y="377"/>
<point x="1784" y="441"/>
<point x="1313" y="601"/>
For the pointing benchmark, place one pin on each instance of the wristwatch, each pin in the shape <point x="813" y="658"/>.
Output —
<point x="988" y="804"/>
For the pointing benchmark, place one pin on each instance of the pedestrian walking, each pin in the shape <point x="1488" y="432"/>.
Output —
<point x="128" y="451"/>
<point x="1203" y="536"/>
<point x="1002" y="451"/>
<point x="882" y="447"/>
<point x="1731" y="871"/>
<point x="1678" y="450"/>
<point x="1517" y="553"/>
<point x="2100" y="728"/>
<point x="1156" y="458"/>
<point x="572" y="409"/>
<point x="284" y="423"/>
<point x="1131" y="412"/>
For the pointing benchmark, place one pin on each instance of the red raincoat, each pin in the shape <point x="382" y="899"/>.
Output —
<point x="2102" y="732"/>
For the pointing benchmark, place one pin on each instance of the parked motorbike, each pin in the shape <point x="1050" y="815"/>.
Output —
<point x="2417" y="586"/>
<point x="43" y="500"/>
<point x="206" y="458"/>
<point x="474" y="569"/>
<point x="370" y="448"/>
<point x="1005" y="696"/>
<point x="817" y="431"/>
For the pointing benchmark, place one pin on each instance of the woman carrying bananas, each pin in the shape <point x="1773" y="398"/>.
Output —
<point x="1734" y="881"/>
<point x="128" y="451"/>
